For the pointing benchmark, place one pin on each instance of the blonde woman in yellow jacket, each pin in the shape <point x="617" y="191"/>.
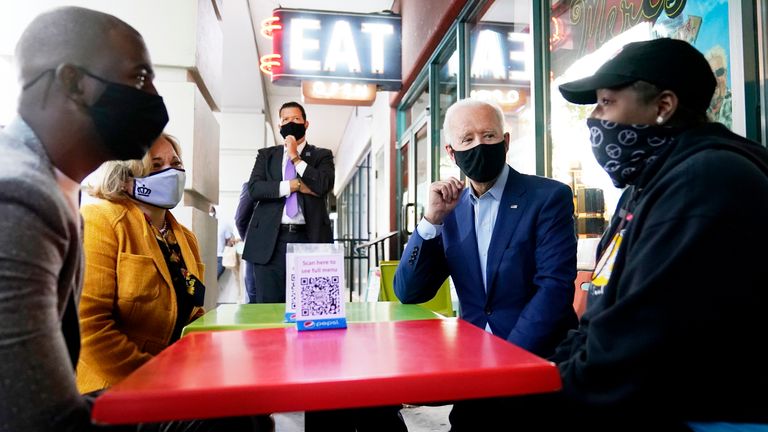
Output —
<point x="143" y="272"/>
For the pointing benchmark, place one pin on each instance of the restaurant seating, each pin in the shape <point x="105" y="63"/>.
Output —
<point x="441" y="303"/>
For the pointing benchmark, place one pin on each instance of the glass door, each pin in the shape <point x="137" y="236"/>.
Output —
<point x="415" y="168"/>
<point x="405" y="186"/>
<point x="447" y="94"/>
<point x="501" y="72"/>
<point x="423" y="170"/>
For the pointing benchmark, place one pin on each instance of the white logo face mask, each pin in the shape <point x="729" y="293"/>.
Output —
<point x="162" y="189"/>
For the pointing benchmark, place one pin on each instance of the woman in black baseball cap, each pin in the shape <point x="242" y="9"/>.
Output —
<point x="645" y="95"/>
<point x="676" y="313"/>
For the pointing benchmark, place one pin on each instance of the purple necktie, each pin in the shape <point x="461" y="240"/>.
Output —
<point x="291" y="203"/>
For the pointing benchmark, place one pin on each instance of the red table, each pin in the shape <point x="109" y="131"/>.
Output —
<point x="232" y="373"/>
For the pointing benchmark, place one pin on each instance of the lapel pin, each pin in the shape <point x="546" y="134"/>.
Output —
<point x="513" y="206"/>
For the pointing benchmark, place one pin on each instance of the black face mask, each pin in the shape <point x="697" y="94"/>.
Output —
<point x="127" y="119"/>
<point x="296" y="129"/>
<point x="482" y="163"/>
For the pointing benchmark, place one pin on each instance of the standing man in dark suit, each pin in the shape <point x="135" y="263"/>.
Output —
<point x="290" y="184"/>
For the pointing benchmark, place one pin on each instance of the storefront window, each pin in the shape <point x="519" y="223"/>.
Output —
<point x="583" y="35"/>
<point x="422" y="158"/>
<point x="501" y="70"/>
<point x="353" y="210"/>
<point x="382" y="196"/>
<point x="408" y="220"/>
<point x="414" y="163"/>
<point x="448" y="90"/>
<point x="420" y="105"/>
<point x="422" y="171"/>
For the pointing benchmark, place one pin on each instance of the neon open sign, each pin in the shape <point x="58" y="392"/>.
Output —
<point x="317" y="45"/>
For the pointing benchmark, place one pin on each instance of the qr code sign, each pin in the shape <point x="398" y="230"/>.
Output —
<point x="320" y="295"/>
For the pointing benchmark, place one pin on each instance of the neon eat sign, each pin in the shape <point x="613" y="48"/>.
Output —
<point x="317" y="45"/>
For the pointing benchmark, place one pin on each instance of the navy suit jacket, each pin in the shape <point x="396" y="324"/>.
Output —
<point x="531" y="264"/>
<point x="264" y="189"/>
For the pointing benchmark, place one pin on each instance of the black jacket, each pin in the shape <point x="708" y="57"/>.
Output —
<point x="679" y="330"/>
<point x="264" y="189"/>
<point x="244" y="211"/>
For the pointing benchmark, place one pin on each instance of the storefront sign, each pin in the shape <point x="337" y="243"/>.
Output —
<point x="500" y="56"/>
<point x="590" y="23"/>
<point x="500" y="65"/>
<point x="509" y="100"/>
<point x="336" y="93"/>
<point x="317" y="45"/>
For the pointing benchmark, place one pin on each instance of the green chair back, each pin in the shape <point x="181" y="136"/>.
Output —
<point x="440" y="303"/>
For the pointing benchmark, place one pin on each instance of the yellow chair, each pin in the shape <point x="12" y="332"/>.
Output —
<point x="441" y="303"/>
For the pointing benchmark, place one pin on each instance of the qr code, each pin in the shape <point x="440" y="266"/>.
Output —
<point x="320" y="296"/>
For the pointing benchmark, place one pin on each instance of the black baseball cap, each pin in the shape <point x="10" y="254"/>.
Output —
<point x="669" y="64"/>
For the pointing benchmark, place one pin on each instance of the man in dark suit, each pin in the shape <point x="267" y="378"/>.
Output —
<point x="289" y="185"/>
<point x="507" y="241"/>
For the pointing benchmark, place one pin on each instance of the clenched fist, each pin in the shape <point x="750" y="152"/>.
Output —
<point x="291" y="147"/>
<point x="443" y="197"/>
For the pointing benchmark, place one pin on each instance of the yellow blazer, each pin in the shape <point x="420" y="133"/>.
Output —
<point x="128" y="306"/>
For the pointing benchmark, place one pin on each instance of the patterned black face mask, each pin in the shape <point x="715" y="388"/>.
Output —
<point x="625" y="150"/>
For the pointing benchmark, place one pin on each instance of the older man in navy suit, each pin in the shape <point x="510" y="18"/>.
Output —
<point x="507" y="241"/>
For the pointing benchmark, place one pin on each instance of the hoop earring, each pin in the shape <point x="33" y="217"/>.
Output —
<point x="659" y="120"/>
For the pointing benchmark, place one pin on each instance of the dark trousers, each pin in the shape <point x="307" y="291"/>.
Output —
<point x="483" y="414"/>
<point x="219" y="267"/>
<point x="250" y="286"/>
<point x="376" y="419"/>
<point x="553" y="412"/>
<point x="544" y="412"/>
<point x="269" y="278"/>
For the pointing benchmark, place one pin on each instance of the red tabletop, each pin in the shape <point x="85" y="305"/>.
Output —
<point x="232" y="373"/>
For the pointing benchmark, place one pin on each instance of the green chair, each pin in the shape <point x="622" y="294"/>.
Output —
<point x="441" y="303"/>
